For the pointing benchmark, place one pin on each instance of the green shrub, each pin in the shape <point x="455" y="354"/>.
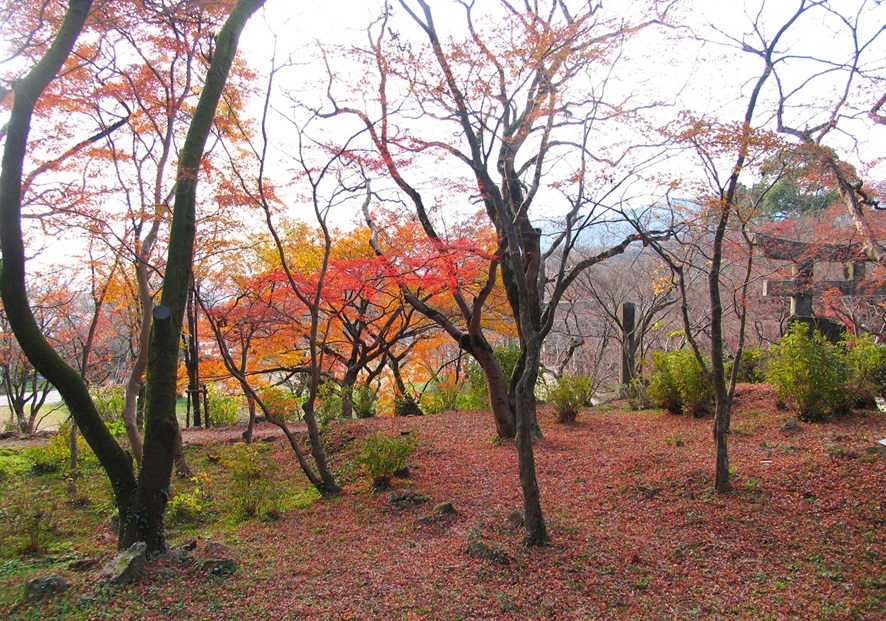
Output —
<point x="678" y="383"/>
<point x="254" y="492"/>
<point x="55" y="456"/>
<point x="223" y="408"/>
<point x="109" y="402"/>
<point x="478" y="392"/>
<point x="809" y="374"/>
<point x="867" y="366"/>
<point x="663" y="391"/>
<point x="570" y="394"/>
<point x="117" y="427"/>
<point x="507" y="356"/>
<point x="442" y="396"/>
<point x="382" y="455"/>
<point x="752" y="366"/>
<point x="35" y="527"/>
<point x="189" y="506"/>
<point x="329" y="406"/>
<point x="365" y="401"/>
<point x="637" y="395"/>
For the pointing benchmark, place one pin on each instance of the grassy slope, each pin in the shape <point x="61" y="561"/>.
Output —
<point x="637" y="531"/>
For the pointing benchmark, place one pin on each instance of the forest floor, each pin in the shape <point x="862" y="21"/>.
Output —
<point x="637" y="531"/>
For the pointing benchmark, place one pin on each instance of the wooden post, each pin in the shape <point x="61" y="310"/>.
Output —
<point x="202" y="391"/>
<point x="628" y="325"/>
<point x="801" y="300"/>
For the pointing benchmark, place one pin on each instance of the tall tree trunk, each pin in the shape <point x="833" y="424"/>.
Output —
<point x="536" y="533"/>
<point x="182" y="468"/>
<point x="40" y="353"/>
<point x="530" y="403"/>
<point x="250" y="424"/>
<point x="145" y="521"/>
<point x="74" y="450"/>
<point x="717" y="377"/>
<point x="191" y="358"/>
<point x="721" y="431"/>
<point x="137" y="372"/>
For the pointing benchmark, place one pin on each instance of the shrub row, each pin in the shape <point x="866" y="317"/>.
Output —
<point x="811" y="375"/>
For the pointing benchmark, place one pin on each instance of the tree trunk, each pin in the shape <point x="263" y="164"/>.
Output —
<point x="347" y="394"/>
<point x="182" y="468"/>
<point x="141" y="504"/>
<point x="530" y="403"/>
<point x="721" y="431"/>
<point x="191" y="358"/>
<point x="74" y="449"/>
<point x="329" y="486"/>
<point x="250" y="425"/>
<point x="499" y="399"/>
<point x="144" y="522"/>
<point x="39" y="352"/>
<point x="536" y="532"/>
<point x="136" y="374"/>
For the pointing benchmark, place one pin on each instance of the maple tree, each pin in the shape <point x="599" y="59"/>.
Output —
<point x="516" y="99"/>
<point x="161" y="83"/>
<point x="856" y="71"/>
<point x="370" y="318"/>
<point x="255" y="331"/>
<point x="139" y="499"/>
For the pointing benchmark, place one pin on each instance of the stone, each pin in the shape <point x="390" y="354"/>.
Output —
<point x="445" y="508"/>
<point x="214" y="548"/>
<point x="127" y="566"/>
<point x="45" y="587"/>
<point x="219" y="566"/>
<point x="406" y="406"/>
<point x="190" y="544"/>
<point x="402" y="473"/>
<point x="483" y="551"/>
<point x="791" y="425"/>
<point x="83" y="564"/>
<point x="405" y="497"/>
<point x="516" y="518"/>
<point x="179" y="556"/>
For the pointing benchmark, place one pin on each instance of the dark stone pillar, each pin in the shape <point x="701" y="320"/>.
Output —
<point x="628" y="322"/>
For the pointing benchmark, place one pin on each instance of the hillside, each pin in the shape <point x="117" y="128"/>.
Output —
<point x="637" y="531"/>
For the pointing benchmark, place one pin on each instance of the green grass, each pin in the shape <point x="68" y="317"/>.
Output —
<point x="55" y="414"/>
<point x="50" y="519"/>
<point x="58" y="413"/>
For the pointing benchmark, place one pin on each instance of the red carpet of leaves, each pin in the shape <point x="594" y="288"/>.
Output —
<point x="637" y="532"/>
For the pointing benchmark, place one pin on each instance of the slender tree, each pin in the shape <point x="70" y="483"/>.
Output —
<point x="514" y="101"/>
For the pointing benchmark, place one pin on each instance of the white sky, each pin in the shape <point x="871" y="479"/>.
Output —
<point x="712" y="79"/>
<point x="709" y="79"/>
